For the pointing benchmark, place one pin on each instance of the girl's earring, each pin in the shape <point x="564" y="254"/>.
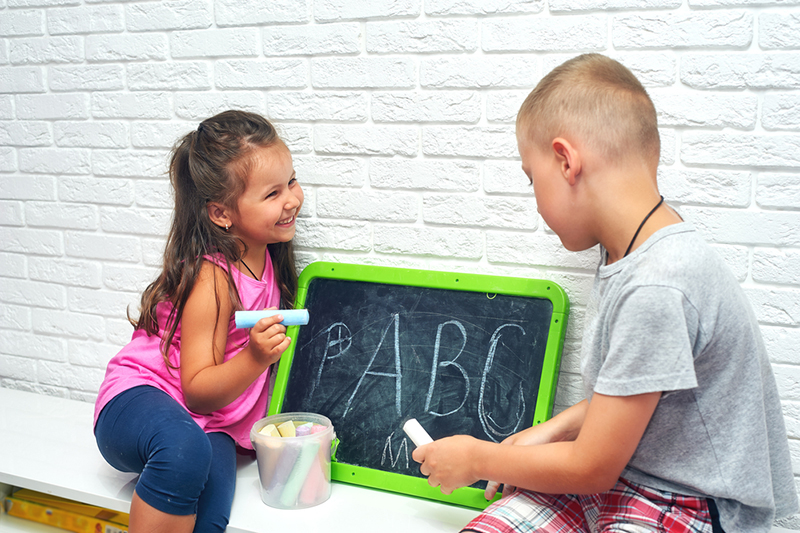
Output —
<point x="226" y="227"/>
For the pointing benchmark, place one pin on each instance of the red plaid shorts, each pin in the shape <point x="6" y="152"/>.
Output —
<point x="626" y="507"/>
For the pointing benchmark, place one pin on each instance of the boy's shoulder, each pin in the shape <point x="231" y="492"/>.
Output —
<point x="676" y="262"/>
<point x="678" y="254"/>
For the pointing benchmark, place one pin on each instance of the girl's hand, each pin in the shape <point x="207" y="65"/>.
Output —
<point x="447" y="462"/>
<point x="268" y="339"/>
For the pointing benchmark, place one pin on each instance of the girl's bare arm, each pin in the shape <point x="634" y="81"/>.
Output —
<point x="208" y="383"/>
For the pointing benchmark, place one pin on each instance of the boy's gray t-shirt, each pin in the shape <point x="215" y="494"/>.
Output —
<point x="671" y="317"/>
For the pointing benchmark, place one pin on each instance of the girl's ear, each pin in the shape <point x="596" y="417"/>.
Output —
<point x="569" y="159"/>
<point x="219" y="215"/>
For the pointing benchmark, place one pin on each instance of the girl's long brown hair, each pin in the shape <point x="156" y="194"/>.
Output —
<point x="206" y="167"/>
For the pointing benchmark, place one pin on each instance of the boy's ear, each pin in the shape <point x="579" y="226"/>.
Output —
<point x="218" y="215"/>
<point x="569" y="159"/>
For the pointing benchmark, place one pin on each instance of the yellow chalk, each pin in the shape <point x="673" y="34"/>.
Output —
<point x="270" y="430"/>
<point x="287" y="429"/>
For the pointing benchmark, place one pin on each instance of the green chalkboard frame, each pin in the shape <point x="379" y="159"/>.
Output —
<point x="534" y="288"/>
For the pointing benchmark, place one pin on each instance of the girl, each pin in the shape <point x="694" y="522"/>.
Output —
<point x="186" y="390"/>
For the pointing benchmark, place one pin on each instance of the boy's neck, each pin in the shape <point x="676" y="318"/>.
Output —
<point x="646" y="216"/>
<point x="626" y="201"/>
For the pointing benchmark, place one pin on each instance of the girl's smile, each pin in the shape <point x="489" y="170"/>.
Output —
<point x="287" y="222"/>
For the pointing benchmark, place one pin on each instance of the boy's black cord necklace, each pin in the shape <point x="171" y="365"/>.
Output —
<point x="639" y="229"/>
<point x="258" y="279"/>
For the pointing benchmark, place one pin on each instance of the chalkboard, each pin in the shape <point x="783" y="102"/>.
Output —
<point x="461" y="353"/>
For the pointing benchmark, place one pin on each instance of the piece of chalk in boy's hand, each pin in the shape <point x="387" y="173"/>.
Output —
<point x="291" y="317"/>
<point x="416" y="432"/>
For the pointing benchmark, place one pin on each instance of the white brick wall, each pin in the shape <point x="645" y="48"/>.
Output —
<point x="400" y="115"/>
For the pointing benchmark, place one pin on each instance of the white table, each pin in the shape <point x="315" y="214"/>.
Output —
<point x="47" y="445"/>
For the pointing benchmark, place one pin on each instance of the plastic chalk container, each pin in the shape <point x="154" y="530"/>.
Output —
<point x="295" y="472"/>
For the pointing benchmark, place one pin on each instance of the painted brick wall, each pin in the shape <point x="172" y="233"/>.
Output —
<point x="400" y="116"/>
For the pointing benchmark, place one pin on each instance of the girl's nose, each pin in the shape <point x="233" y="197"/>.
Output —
<point x="292" y="202"/>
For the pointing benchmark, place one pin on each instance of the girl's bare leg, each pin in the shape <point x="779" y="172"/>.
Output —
<point x="147" y="519"/>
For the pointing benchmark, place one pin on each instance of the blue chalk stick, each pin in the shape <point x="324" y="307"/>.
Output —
<point x="291" y="317"/>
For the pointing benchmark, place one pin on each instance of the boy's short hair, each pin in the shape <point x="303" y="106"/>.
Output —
<point x="597" y="99"/>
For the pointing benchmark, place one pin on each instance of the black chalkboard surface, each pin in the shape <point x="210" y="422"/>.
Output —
<point x="461" y="353"/>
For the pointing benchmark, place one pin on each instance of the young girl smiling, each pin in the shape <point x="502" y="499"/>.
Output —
<point x="186" y="390"/>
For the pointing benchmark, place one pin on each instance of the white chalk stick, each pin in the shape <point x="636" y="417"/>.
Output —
<point x="416" y="432"/>
<point x="291" y="317"/>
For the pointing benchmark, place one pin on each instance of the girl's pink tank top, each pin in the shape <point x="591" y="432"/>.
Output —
<point x="140" y="362"/>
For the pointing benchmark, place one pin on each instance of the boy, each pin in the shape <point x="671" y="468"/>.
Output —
<point x="681" y="429"/>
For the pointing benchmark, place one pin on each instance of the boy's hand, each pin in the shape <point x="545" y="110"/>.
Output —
<point x="268" y="339"/>
<point x="447" y="462"/>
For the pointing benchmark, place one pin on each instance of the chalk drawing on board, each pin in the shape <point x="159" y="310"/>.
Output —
<point x="402" y="452"/>
<point x="461" y="353"/>
<point x="490" y="426"/>
<point x="397" y="375"/>
<point x="451" y="362"/>
<point x="379" y="355"/>
<point x="341" y="343"/>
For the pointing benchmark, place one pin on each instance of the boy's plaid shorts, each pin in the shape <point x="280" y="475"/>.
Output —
<point x="626" y="507"/>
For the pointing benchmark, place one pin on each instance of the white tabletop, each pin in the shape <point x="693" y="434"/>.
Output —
<point x="46" y="444"/>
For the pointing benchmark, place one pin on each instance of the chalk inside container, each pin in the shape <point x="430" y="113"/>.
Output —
<point x="295" y="472"/>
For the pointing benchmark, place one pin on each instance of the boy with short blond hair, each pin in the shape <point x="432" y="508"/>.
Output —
<point x="681" y="429"/>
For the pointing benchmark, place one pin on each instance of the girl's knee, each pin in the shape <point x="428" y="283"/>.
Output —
<point x="187" y="448"/>
<point x="178" y="465"/>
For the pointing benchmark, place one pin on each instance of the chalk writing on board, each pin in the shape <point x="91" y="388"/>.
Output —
<point x="452" y="362"/>
<point x="492" y="428"/>
<point x="487" y="421"/>
<point x="374" y="355"/>
<point x="402" y="452"/>
<point x="397" y="375"/>
<point x="342" y="344"/>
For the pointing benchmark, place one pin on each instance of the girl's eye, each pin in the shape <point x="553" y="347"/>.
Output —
<point x="292" y="181"/>
<point x="272" y="194"/>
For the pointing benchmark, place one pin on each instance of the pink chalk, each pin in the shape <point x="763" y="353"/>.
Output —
<point x="315" y="486"/>
<point x="318" y="428"/>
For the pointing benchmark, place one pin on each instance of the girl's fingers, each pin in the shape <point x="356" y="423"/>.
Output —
<point x="266" y="328"/>
<point x="281" y="347"/>
<point x="267" y="322"/>
<point x="276" y="341"/>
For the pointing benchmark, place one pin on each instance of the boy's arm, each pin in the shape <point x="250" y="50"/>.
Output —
<point x="611" y="430"/>
<point x="565" y="426"/>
